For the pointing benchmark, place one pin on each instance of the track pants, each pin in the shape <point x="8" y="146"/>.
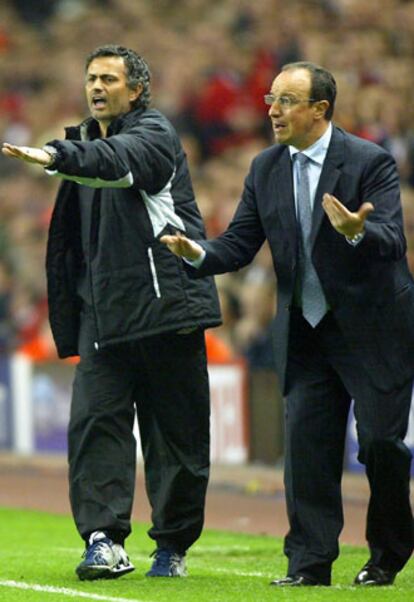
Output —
<point x="164" y="379"/>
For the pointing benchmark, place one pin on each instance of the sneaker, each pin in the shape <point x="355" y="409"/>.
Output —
<point x="167" y="563"/>
<point x="103" y="559"/>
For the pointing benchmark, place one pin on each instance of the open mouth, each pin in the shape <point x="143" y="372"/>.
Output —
<point x="98" y="102"/>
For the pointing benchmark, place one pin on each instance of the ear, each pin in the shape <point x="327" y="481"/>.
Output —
<point x="320" y="108"/>
<point x="135" y="93"/>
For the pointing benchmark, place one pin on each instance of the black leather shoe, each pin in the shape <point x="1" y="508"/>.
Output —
<point x="295" y="581"/>
<point x="371" y="574"/>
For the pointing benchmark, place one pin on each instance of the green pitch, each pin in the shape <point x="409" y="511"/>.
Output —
<point x="39" y="552"/>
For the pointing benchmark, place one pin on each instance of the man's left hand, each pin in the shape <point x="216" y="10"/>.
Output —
<point x="346" y="222"/>
<point x="27" y="154"/>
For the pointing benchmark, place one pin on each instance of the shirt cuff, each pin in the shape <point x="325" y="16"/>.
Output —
<point x="196" y="263"/>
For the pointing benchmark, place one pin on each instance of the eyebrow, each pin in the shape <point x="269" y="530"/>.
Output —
<point x="283" y="94"/>
<point x="92" y="74"/>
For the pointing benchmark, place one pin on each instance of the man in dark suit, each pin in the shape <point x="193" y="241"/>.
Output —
<point x="329" y="205"/>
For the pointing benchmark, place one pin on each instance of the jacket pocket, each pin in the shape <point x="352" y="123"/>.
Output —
<point x="154" y="273"/>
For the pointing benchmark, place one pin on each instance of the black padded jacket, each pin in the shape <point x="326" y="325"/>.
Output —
<point x="134" y="186"/>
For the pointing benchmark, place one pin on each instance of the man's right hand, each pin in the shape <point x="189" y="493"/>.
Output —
<point x="28" y="154"/>
<point x="182" y="246"/>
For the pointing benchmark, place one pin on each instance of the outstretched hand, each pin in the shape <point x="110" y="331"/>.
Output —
<point x="182" y="246"/>
<point x="27" y="154"/>
<point x="344" y="221"/>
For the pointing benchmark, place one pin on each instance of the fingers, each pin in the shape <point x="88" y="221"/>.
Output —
<point x="177" y="243"/>
<point x="344" y="221"/>
<point x="9" y="150"/>
<point x="16" y="152"/>
<point x="334" y="208"/>
<point x="173" y="239"/>
<point x="182" y="246"/>
<point x="329" y="199"/>
<point x="167" y="239"/>
<point x="26" y="153"/>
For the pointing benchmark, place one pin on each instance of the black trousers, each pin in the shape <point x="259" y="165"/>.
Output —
<point x="323" y="376"/>
<point x="164" y="378"/>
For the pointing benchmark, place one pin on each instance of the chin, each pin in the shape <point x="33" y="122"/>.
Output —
<point x="100" y="116"/>
<point x="279" y="140"/>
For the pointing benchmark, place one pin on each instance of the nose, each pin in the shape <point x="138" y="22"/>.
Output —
<point x="96" y="85"/>
<point x="274" y="109"/>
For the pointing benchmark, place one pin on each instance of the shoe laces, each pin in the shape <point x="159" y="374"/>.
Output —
<point x="100" y="548"/>
<point x="166" y="559"/>
<point x="121" y="556"/>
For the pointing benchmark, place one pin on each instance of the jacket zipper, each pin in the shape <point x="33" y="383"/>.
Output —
<point x="94" y="208"/>
<point x="154" y="273"/>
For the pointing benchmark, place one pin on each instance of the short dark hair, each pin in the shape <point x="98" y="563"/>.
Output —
<point x="323" y="84"/>
<point x="137" y="70"/>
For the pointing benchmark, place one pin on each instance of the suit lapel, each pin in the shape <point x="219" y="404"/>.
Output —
<point x="328" y="179"/>
<point x="282" y="191"/>
<point x="282" y="185"/>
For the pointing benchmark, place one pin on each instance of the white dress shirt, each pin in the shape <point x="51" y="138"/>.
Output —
<point x="316" y="154"/>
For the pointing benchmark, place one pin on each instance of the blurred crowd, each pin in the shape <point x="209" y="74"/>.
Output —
<point x="212" y="61"/>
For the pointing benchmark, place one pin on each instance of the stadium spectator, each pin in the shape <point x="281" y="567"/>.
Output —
<point x="375" y="76"/>
<point x="120" y="299"/>
<point x="344" y="327"/>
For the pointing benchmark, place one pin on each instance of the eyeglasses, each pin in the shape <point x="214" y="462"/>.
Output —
<point x="286" y="102"/>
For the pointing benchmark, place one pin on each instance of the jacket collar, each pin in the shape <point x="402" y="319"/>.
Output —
<point x="318" y="150"/>
<point x="89" y="128"/>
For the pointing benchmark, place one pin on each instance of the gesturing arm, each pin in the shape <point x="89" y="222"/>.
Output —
<point x="141" y="156"/>
<point x="379" y="215"/>
<point x="233" y="249"/>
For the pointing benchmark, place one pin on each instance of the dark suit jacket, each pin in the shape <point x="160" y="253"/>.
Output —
<point x="368" y="287"/>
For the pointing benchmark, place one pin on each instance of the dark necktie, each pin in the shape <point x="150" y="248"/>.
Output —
<point x="313" y="300"/>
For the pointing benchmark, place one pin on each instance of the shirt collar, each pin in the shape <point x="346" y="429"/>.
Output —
<point x="317" y="151"/>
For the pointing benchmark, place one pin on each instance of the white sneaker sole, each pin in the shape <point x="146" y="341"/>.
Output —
<point x="93" y="572"/>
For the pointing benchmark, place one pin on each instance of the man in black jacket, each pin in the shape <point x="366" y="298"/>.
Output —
<point x="120" y="300"/>
<point x="329" y="205"/>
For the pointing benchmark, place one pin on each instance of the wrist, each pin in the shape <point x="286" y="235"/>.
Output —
<point x="53" y="154"/>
